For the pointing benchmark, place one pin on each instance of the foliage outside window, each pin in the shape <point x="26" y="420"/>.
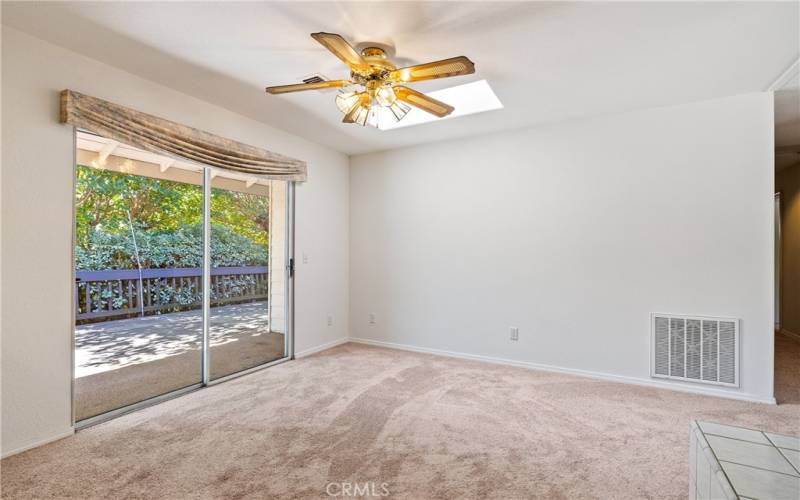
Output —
<point x="128" y="221"/>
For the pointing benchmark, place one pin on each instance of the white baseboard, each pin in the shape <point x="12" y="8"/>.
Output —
<point x="42" y="442"/>
<point x="743" y="396"/>
<point x="320" y="348"/>
<point x="790" y="334"/>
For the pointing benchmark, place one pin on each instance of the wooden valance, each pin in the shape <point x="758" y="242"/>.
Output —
<point x="161" y="136"/>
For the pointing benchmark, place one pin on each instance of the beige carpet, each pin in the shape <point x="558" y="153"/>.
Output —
<point x="427" y="426"/>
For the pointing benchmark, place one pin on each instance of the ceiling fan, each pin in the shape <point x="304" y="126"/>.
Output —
<point x="375" y="90"/>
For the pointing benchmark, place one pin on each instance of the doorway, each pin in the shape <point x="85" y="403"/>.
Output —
<point x="787" y="292"/>
<point x="787" y="236"/>
<point x="182" y="277"/>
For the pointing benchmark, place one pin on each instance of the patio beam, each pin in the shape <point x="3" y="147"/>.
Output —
<point x="165" y="164"/>
<point x="104" y="153"/>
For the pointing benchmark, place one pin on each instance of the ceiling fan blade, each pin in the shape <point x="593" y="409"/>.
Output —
<point x="423" y="102"/>
<point x="455" y="66"/>
<point x="341" y="49"/>
<point x="299" y="87"/>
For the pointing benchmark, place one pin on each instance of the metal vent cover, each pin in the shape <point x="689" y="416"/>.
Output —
<point x="313" y="79"/>
<point x="316" y="78"/>
<point x="695" y="348"/>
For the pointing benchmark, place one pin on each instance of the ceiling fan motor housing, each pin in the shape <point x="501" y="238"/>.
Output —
<point x="379" y="65"/>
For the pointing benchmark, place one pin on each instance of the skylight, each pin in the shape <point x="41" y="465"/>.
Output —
<point x="468" y="99"/>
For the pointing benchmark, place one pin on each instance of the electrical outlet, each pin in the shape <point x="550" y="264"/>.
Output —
<point x="305" y="258"/>
<point x="372" y="320"/>
<point x="330" y="320"/>
<point x="514" y="333"/>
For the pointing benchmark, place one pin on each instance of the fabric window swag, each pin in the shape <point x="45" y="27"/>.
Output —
<point x="169" y="138"/>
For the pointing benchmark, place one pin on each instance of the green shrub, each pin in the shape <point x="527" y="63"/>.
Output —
<point x="182" y="247"/>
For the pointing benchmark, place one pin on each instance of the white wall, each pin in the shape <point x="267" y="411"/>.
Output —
<point x="37" y="220"/>
<point x="574" y="233"/>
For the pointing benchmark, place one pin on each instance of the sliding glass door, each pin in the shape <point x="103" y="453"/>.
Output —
<point x="180" y="276"/>
<point x="138" y="281"/>
<point x="247" y="240"/>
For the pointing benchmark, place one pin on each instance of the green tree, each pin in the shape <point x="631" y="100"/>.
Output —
<point x="166" y="219"/>
<point x="244" y="213"/>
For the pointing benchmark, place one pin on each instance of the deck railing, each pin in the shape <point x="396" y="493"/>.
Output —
<point x="101" y="295"/>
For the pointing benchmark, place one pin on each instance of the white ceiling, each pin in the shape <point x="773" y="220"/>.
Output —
<point x="546" y="61"/>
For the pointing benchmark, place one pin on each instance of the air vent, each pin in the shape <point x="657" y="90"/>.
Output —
<point x="314" y="79"/>
<point x="696" y="349"/>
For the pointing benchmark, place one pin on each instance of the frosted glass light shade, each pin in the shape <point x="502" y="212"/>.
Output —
<point x="385" y="96"/>
<point x="346" y="100"/>
<point x="384" y="108"/>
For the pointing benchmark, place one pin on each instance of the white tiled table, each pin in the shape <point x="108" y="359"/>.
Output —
<point x="728" y="462"/>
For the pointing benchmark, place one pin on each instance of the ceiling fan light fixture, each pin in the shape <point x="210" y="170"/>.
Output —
<point x="399" y="110"/>
<point x="372" y="114"/>
<point x="366" y="116"/>
<point x="345" y="100"/>
<point x="385" y="96"/>
<point x="359" y="107"/>
<point x="370" y="95"/>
